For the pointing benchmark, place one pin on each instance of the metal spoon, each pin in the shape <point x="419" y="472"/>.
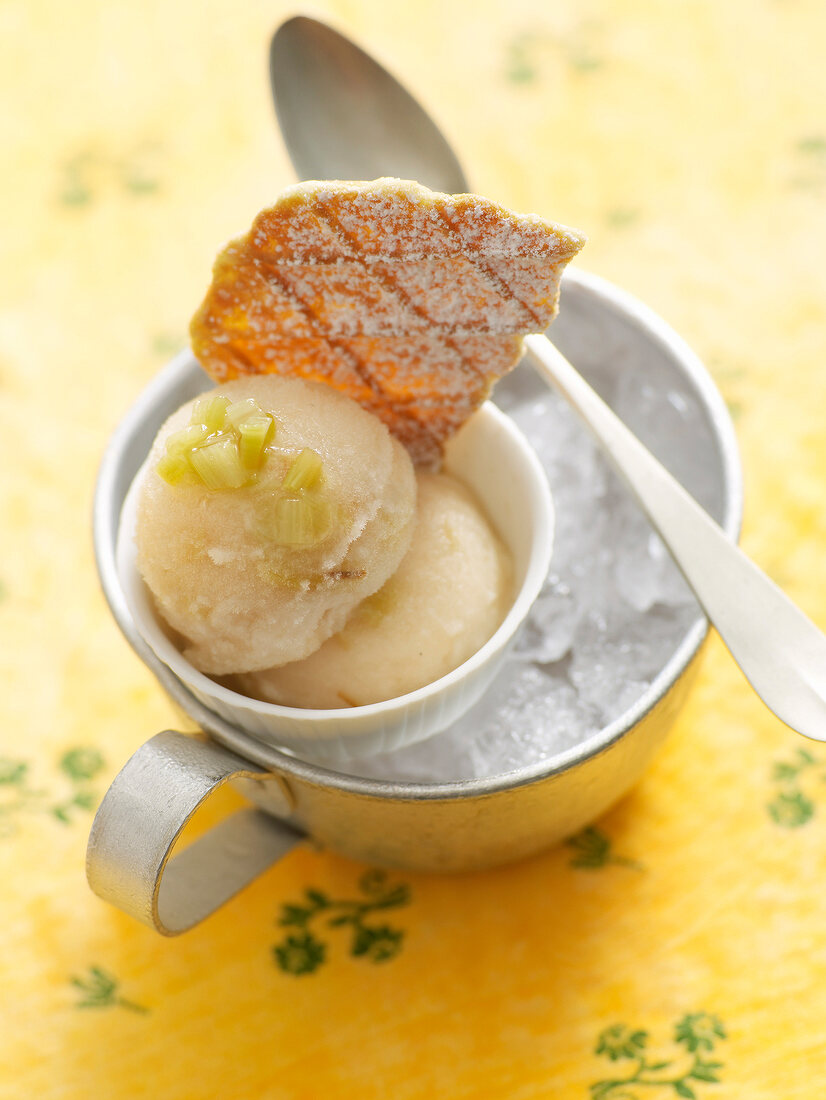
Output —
<point x="343" y="116"/>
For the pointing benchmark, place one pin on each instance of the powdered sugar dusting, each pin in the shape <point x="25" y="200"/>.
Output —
<point x="339" y="280"/>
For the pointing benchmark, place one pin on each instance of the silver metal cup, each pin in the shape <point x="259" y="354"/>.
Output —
<point x="445" y="827"/>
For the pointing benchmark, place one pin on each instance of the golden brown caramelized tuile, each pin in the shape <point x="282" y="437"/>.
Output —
<point x="409" y="301"/>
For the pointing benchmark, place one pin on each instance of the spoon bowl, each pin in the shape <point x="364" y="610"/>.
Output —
<point x="339" y="112"/>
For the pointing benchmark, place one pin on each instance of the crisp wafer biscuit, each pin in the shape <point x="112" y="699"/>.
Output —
<point x="409" y="301"/>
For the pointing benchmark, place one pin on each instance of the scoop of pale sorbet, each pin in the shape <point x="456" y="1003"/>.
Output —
<point x="218" y="568"/>
<point x="446" y="599"/>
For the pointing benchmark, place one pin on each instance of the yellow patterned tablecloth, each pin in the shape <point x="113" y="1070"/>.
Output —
<point x="678" y="949"/>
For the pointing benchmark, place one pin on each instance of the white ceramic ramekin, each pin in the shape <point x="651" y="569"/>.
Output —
<point x="493" y="458"/>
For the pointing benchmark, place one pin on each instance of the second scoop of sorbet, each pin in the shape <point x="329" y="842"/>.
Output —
<point x="234" y="570"/>
<point x="446" y="599"/>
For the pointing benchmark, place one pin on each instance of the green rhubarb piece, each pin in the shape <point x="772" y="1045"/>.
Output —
<point x="219" y="465"/>
<point x="254" y="434"/>
<point x="183" y="441"/>
<point x="300" y="520"/>
<point x="305" y="472"/>
<point x="174" y="467"/>
<point x="238" y="411"/>
<point x="211" y="410"/>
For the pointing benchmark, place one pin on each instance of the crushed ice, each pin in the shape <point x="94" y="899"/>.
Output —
<point x="611" y="613"/>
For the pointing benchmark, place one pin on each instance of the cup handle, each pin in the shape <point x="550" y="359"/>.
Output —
<point x="129" y="859"/>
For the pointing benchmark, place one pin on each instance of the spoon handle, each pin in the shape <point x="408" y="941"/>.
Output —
<point x="780" y="651"/>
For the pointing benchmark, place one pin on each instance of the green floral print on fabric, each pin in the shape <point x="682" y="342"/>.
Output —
<point x="576" y="49"/>
<point x="303" y="951"/>
<point x="594" y="850"/>
<point x="809" y="163"/>
<point x="89" y="173"/>
<point x="797" y="782"/>
<point x="696" y="1033"/>
<point x="100" y="990"/>
<point x="70" y="792"/>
